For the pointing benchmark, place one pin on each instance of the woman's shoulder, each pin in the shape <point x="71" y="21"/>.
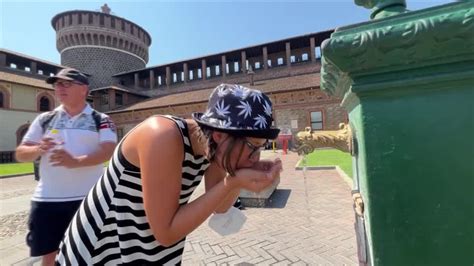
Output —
<point x="156" y="128"/>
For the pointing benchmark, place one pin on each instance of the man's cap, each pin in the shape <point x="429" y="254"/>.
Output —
<point x="69" y="74"/>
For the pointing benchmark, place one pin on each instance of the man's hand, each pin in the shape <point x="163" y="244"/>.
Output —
<point x="45" y="145"/>
<point x="60" y="157"/>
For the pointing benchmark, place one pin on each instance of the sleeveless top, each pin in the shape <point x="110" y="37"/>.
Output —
<point x="111" y="227"/>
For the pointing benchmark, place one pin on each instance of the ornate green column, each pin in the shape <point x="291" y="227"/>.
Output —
<point x="407" y="79"/>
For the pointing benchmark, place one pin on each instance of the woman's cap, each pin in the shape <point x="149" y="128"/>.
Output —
<point x="239" y="111"/>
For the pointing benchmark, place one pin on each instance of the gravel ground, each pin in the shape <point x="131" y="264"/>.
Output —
<point x="15" y="193"/>
<point x="15" y="224"/>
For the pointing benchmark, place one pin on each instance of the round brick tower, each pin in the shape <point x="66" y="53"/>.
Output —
<point x="100" y="44"/>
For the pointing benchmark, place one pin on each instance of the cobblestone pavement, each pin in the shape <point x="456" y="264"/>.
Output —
<point x="308" y="221"/>
<point x="13" y="223"/>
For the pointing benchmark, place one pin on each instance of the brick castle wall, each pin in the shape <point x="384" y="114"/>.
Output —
<point x="100" y="63"/>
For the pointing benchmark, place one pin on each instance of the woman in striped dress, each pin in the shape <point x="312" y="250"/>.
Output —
<point x="138" y="213"/>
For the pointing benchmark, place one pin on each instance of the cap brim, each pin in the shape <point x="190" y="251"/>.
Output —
<point x="53" y="79"/>
<point x="270" y="133"/>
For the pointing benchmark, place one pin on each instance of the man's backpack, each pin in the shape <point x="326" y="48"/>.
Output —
<point x="44" y="125"/>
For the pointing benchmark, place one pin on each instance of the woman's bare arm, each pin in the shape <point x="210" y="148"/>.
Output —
<point x="160" y="150"/>
<point x="213" y="176"/>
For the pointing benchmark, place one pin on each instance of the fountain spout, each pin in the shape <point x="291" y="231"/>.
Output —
<point x="308" y="140"/>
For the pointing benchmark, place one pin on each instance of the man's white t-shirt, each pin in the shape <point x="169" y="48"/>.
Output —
<point x="80" y="137"/>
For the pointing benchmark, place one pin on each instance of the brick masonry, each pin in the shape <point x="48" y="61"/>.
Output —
<point x="100" y="63"/>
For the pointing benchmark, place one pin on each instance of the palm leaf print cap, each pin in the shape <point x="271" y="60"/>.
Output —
<point x="239" y="111"/>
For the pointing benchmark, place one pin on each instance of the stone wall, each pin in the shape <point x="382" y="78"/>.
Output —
<point x="100" y="63"/>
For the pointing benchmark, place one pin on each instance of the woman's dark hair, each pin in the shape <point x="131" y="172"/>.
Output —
<point x="206" y="135"/>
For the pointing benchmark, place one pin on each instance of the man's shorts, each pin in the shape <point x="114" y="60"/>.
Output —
<point x="47" y="224"/>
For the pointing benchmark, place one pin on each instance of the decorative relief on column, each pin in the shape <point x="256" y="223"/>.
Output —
<point x="428" y="37"/>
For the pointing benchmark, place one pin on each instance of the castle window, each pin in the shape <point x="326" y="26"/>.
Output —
<point x="318" y="52"/>
<point x="45" y="104"/>
<point x="101" y="20"/>
<point x="118" y="99"/>
<point x="316" y="120"/>
<point x="91" y="19"/>
<point x="79" y="18"/>
<point x="112" y="22"/>
<point x="2" y="101"/>
<point x="70" y="19"/>
<point x="236" y="67"/>
<point x="104" y="99"/>
<point x="123" y="25"/>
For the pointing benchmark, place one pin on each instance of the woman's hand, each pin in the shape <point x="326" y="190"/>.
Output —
<point x="260" y="176"/>
<point x="265" y="165"/>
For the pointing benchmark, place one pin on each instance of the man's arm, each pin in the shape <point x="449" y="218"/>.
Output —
<point x="107" y="140"/>
<point x="33" y="144"/>
<point x="61" y="157"/>
<point x="28" y="152"/>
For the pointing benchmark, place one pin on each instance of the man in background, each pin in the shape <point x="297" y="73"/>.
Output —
<point x="73" y="142"/>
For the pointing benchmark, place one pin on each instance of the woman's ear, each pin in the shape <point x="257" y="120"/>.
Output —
<point x="219" y="137"/>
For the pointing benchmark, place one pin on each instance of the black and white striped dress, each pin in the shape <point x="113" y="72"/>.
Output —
<point x="111" y="227"/>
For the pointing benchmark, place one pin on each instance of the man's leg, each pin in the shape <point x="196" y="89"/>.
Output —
<point x="47" y="224"/>
<point x="48" y="259"/>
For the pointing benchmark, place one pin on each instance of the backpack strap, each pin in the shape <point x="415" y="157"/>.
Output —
<point x="46" y="119"/>
<point x="97" y="119"/>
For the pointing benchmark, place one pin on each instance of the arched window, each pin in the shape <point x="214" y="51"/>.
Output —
<point x="4" y="97"/>
<point x="44" y="104"/>
<point x="21" y="131"/>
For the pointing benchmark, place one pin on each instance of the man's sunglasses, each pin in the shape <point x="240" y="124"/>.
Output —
<point x="65" y="84"/>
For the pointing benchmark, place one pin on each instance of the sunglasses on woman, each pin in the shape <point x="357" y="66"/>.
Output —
<point x="254" y="148"/>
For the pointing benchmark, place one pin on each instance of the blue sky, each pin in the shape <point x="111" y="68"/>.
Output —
<point x="182" y="30"/>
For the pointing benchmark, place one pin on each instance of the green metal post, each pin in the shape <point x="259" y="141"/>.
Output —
<point x="407" y="79"/>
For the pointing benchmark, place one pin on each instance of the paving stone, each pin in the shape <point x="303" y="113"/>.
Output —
<point x="308" y="221"/>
